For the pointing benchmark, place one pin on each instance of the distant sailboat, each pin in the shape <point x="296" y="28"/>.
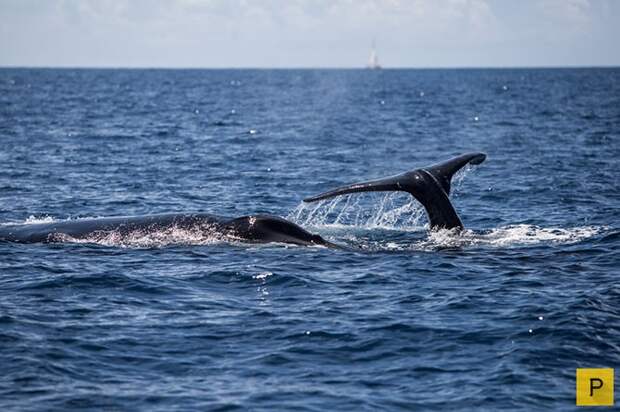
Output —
<point x="373" y="61"/>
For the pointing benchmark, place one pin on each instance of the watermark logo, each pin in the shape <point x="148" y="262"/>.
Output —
<point x="595" y="387"/>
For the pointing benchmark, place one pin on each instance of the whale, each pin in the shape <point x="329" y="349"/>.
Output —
<point x="250" y="229"/>
<point x="428" y="185"/>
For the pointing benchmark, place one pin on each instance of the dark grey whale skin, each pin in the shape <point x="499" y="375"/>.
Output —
<point x="252" y="228"/>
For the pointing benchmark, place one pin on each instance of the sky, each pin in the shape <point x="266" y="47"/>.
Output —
<point x="309" y="33"/>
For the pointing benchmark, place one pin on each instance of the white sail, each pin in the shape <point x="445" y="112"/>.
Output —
<point x="373" y="61"/>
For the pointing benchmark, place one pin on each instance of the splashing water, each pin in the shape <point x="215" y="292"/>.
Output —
<point x="392" y="211"/>
<point x="459" y="177"/>
<point x="389" y="210"/>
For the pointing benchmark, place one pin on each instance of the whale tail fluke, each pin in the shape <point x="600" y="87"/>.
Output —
<point x="429" y="185"/>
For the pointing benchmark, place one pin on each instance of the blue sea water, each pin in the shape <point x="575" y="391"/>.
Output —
<point x="497" y="317"/>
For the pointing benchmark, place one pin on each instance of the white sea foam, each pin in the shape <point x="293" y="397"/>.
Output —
<point x="508" y="236"/>
<point x="525" y="234"/>
<point x="33" y="220"/>
<point x="152" y="238"/>
<point x="499" y="238"/>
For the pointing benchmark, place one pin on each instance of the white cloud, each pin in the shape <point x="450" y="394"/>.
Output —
<point x="294" y="32"/>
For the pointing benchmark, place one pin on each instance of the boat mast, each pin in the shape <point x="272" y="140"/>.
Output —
<point x="373" y="61"/>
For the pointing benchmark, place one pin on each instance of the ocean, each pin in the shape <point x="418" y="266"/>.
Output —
<point x="495" y="318"/>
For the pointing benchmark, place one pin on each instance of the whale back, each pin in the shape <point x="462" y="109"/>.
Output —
<point x="269" y="228"/>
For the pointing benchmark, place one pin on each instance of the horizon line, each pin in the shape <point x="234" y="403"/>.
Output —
<point x="111" y="67"/>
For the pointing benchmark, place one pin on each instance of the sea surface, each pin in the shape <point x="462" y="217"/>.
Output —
<point x="495" y="318"/>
